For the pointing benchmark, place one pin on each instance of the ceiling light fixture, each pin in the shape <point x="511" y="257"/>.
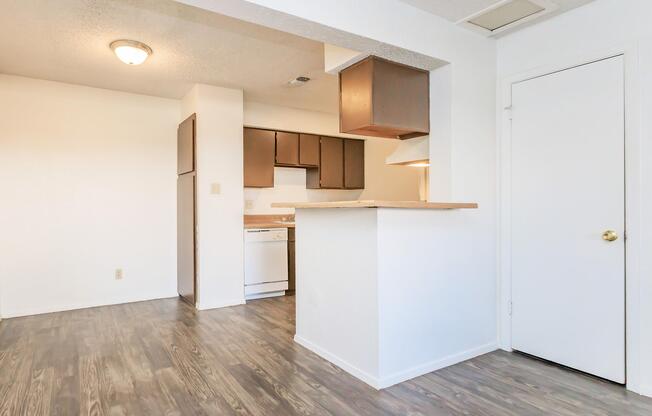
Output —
<point x="131" y="52"/>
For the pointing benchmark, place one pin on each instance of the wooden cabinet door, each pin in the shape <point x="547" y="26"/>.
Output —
<point x="287" y="148"/>
<point x="331" y="164"/>
<point x="186" y="146"/>
<point x="353" y="164"/>
<point x="259" y="158"/>
<point x="308" y="150"/>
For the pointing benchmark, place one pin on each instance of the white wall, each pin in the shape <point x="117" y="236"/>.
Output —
<point x="429" y="292"/>
<point x="381" y="181"/>
<point x="88" y="186"/>
<point x="219" y="152"/>
<point x="596" y="30"/>
<point x="337" y="288"/>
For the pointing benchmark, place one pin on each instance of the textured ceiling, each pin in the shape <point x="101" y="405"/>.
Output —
<point x="68" y="41"/>
<point x="456" y="10"/>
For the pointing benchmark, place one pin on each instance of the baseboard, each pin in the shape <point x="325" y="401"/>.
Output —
<point x="43" y="309"/>
<point x="265" y="295"/>
<point x="354" y="371"/>
<point x="435" y="365"/>
<point x="221" y="304"/>
<point x="646" y="390"/>
<point x="401" y="376"/>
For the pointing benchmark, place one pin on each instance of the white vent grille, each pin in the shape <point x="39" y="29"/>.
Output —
<point x="506" y="14"/>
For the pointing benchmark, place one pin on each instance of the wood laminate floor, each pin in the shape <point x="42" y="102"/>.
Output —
<point x="163" y="358"/>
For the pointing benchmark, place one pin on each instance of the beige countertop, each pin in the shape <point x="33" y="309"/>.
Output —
<point x="377" y="204"/>
<point x="269" y="221"/>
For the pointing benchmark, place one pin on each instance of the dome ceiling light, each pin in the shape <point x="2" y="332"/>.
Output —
<point x="131" y="52"/>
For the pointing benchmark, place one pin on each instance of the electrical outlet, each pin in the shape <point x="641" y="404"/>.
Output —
<point x="119" y="274"/>
<point x="249" y="204"/>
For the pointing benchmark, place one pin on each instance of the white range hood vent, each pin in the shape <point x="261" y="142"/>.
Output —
<point x="411" y="152"/>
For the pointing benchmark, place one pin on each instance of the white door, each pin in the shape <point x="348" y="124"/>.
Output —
<point x="568" y="188"/>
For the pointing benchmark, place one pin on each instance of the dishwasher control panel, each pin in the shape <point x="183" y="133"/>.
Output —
<point x="266" y="234"/>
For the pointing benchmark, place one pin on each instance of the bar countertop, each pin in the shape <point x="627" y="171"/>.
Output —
<point x="378" y="204"/>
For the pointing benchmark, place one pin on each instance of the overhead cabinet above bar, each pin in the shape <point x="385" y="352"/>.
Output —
<point x="384" y="99"/>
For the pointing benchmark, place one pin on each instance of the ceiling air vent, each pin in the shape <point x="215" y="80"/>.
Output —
<point x="506" y="14"/>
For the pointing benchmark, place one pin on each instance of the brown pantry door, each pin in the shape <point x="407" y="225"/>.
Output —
<point x="186" y="273"/>
<point x="331" y="166"/>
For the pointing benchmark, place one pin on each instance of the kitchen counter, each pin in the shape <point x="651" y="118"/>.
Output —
<point x="269" y="221"/>
<point x="378" y="204"/>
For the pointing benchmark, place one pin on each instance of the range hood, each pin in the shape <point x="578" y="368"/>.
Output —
<point x="412" y="152"/>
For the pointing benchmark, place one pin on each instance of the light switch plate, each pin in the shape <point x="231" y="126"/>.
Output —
<point x="215" y="188"/>
<point x="119" y="274"/>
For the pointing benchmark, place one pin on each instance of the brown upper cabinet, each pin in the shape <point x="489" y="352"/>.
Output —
<point x="384" y="99"/>
<point x="186" y="145"/>
<point x="331" y="162"/>
<point x="330" y="173"/>
<point x="308" y="150"/>
<point x="287" y="149"/>
<point x="341" y="165"/>
<point x="297" y="149"/>
<point x="259" y="158"/>
<point x="353" y="164"/>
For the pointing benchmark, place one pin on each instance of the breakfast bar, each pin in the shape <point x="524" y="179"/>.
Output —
<point x="383" y="287"/>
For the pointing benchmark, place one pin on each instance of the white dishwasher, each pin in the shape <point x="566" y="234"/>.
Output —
<point x="266" y="262"/>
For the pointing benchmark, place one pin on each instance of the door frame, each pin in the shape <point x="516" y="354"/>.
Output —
<point x="633" y="198"/>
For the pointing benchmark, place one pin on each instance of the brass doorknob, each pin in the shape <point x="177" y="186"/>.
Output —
<point x="609" y="235"/>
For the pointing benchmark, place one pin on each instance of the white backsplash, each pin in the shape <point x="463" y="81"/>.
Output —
<point x="290" y="186"/>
